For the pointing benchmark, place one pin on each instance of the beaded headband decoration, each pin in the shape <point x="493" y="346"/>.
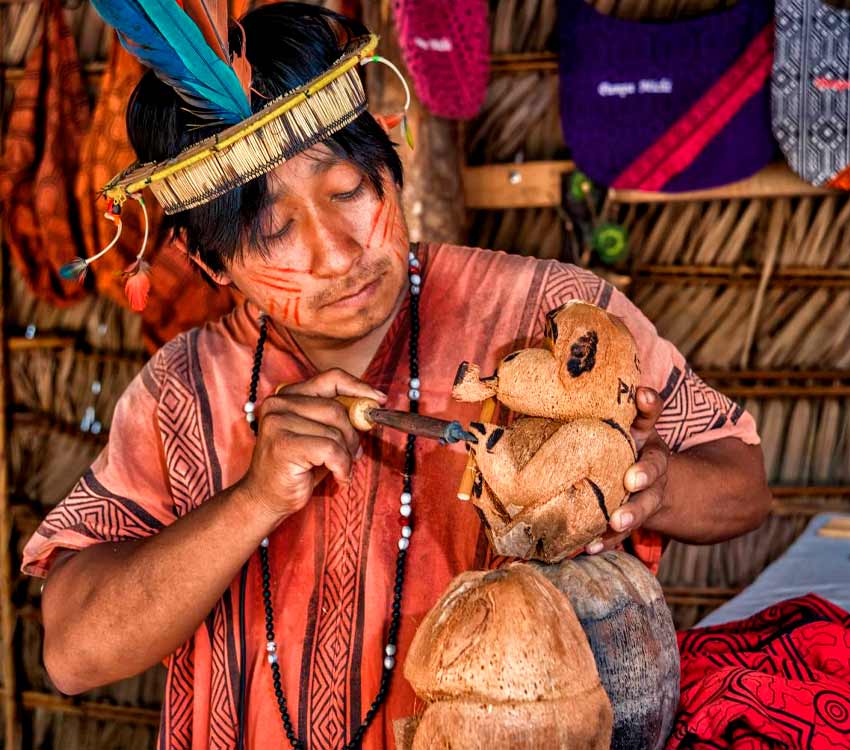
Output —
<point x="186" y="47"/>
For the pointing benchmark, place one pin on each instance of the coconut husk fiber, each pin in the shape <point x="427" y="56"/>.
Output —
<point x="547" y="484"/>
<point x="621" y="608"/>
<point x="502" y="663"/>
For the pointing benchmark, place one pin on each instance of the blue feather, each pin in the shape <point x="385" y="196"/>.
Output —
<point x="164" y="38"/>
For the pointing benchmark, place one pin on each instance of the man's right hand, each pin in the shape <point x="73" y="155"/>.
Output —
<point x="303" y="434"/>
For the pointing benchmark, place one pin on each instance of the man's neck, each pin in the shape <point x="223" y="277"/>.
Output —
<point x="352" y="356"/>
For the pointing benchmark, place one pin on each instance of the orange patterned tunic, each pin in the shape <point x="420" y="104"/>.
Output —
<point x="179" y="436"/>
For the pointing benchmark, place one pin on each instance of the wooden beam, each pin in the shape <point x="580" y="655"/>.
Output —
<point x="787" y="391"/>
<point x="50" y="423"/>
<point x="723" y="376"/>
<point x="524" y="62"/>
<point x="33" y="699"/>
<point x="538" y="185"/>
<point x="533" y="184"/>
<point x="24" y="344"/>
<point x="810" y="490"/>
<point x="774" y="181"/>
<point x="701" y="275"/>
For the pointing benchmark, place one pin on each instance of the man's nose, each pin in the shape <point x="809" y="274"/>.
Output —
<point x="334" y="251"/>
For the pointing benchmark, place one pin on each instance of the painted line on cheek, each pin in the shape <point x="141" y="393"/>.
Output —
<point x="375" y="220"/>
<point x="390" y="223"/>
<point x="288" y="289"/>
<point x="279" y="274"/>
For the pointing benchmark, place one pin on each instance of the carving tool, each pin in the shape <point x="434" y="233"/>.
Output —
<point x="365" y="413"/>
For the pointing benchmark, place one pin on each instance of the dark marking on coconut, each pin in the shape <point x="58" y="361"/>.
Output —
<point x="600" y="498"/>
<point x="478" y="427"/>
<point x="637" y="363"/>
<point x="512" y="355"/>
<point x="478" y="485"/>
<point x="551" y="325"/>
<point x="494" y="438"/>
<point x="490" y="378"/>
<point x="583" y="354"/>
<point x="462" y="369"/>
<point x="618" y="428"/>
<point x="624" y="390"/>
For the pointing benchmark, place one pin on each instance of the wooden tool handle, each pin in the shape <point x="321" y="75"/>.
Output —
<point x="464" y="492"/>
<point x="358" y="411"/>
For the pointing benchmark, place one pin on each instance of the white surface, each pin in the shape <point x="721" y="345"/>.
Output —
<point x="816" y="564"/>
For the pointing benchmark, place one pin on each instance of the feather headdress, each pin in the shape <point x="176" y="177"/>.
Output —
<point x="187" y="49"/>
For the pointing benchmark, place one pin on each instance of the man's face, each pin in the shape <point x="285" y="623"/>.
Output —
<point x="336" y="253"/>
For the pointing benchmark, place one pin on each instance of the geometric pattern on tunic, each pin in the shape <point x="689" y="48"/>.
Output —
<point x="691" y="407"/>
<point x="185" y="423"/>
<point x="335" y="628"/>
<point x="94" y="511"/>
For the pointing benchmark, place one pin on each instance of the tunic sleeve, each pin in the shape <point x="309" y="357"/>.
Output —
<point x="124" y="495"/>
<point x="693" y="413"/>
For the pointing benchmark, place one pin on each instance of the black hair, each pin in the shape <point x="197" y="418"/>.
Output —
<point x="287" y="44"/>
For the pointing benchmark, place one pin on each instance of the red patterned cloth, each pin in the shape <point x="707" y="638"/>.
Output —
<point x="779" y="679"/>
<point x="41" y="160"/>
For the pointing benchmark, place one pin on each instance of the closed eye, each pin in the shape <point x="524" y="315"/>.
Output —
<point x="280" y="233"/>
<point x="351" y="194"/>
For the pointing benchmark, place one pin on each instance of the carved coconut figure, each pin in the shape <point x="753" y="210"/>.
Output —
<point x="621" y="608"/>
<point x="502" y="663"/>
<point x="547" y="485"/>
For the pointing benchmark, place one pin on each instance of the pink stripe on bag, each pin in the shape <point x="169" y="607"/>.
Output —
<point x="677" y="149"/>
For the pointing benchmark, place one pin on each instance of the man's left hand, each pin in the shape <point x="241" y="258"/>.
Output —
<point x="646" y="479"/>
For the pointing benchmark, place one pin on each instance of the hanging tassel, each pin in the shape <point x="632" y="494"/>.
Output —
<point x="138" y="284"/>
<point x="405" y="125"/>
<point x="407" y="132"/>
<point x="388" y="122"/>
<point x="76" y="270"/>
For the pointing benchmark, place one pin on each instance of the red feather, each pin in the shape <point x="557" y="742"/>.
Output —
<point x="138" y="284"/>
<point x="210" y="16"/>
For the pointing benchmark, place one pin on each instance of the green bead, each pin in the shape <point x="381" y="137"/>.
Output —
<point x="580" y="185"/>
<point x="611" y="242"/>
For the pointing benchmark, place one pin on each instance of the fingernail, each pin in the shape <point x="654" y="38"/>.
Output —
<point x="594" y="548"/>
<point x="359" y="453"/>
<point x="623" y="520"/>
<point x="638" y="480"/>
<point x="381" y="396"/>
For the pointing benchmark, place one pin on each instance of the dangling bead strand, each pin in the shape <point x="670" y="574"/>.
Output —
<point x="405" y="519"/>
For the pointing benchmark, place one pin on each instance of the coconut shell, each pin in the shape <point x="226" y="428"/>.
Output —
<point x="530" y="726"/>
<point x="503" y="663"/>
<point x="588" y="368"/>
<point x="621" y="608"/>
<point x="547" y="489"/>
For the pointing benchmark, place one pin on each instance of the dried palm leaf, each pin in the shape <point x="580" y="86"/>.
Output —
<point x="799" y="437"/>
<point x="826" y="442"/>
<point x="773" y="435"/>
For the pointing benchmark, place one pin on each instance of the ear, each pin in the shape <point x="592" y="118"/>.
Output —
<point x="220" y="278"/>
<point x="388" y="122"/>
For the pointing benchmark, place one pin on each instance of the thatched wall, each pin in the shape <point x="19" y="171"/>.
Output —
<point x="758" y="285"/>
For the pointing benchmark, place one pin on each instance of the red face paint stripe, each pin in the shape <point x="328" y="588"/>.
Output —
<point x="375" y="220"/>
<point x="390" y="223"/>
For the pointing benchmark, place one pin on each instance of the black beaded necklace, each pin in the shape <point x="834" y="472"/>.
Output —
<point x="403" y="543"/>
